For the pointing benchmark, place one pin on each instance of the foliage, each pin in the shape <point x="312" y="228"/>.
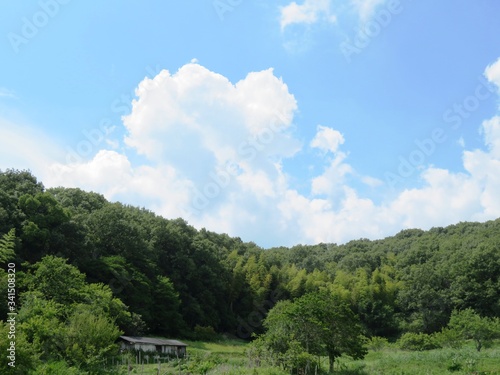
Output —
<point x="7" y="244"/>
<point x="7" y="254"/>
<point x="449" y="338"/>
<point x="202" y="364"/>
<point x="168" y="319"/>
<point x="25" y="360"/>
<point x="418" y="341"/>
<point x="205" y="333"/>
<point x="56" y="280"/>
<point x="147" y="274"/>
<point x="313" y="325"/>
<point x="57" y="368"/>
<point x="377" y="343"/>
<point x="88" y="339"/>
<point x="470" y="325"/>
<point x="65" y="318"/>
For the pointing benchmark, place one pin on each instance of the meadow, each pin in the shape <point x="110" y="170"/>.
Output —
<point x="228" y="357"/>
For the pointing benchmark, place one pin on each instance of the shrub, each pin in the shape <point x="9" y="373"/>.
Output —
<point x="418" y="342"/>
<point x="377" y="343"/>
<point x="57" y="368"/>
<point x="464" y="361"/>
<point x="449" y="338"/>
<point x="202" y="364"/>
<point x="455" y="365"/>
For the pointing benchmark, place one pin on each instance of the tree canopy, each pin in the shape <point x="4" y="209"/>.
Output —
<point x="145" y="274"/>
<point x="316" y="324"/>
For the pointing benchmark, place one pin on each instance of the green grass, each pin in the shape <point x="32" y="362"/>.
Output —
<point x="228" y="358"/>
<point x="225" y="347"/>
<point x="392" y="361"/>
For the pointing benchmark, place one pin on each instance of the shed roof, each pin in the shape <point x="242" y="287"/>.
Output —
<point x="152" y="341"/>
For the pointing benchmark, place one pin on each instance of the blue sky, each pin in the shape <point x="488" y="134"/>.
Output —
<point x="281" y="123"/>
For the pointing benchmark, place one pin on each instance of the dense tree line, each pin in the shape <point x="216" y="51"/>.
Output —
<point x="158" y="276"/>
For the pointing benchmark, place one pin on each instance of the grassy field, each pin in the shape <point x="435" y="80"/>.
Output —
<point x="228" y="358"/>
<point x="391" y="361"/>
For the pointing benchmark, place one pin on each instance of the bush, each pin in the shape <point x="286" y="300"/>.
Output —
<point x="202" y="364"/>
<point x="377" y="343"/>
<point x="57" y="368"/>
<point x="455" y="365"/>
<point x="418" y="342"/>
<point x="464" y="361"/>
<point x="449" y="338"/>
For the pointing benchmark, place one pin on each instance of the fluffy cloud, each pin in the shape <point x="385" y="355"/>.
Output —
<point x="112" y="175"/>
<point x="452" y="197"/>
<point x="214" y="153"/>
<point x="492" y="72"/>
<point x="332" y="181"/>
<point x="366" y="8"/>
<point x="196" y="120"/>
<point x="214" y="149"/>
<point x="327" y="139"/>
<point x="484" y="168"/>
<point x="309" y="12"/>
<point x="312" y="11"/>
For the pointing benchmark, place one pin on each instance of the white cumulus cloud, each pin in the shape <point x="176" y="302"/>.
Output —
<point x="314" y="11"/>
<point x="366" y="8"/>
<point x="214" y="152"/>
<point x="327" y="139"/>
<point x="307" y="13"/>
<point x="492" y="73"/>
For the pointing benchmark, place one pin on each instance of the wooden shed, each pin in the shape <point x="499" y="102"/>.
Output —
<point x="149" y="344"/>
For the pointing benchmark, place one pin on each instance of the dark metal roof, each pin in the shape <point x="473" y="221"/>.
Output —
<point x="152" y="341"/>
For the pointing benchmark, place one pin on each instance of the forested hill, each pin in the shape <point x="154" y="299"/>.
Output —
<point x="179" y="281"/>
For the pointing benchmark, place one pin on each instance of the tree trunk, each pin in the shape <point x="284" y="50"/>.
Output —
<point x="331" y="361"/>
<point x="479" y="345"/>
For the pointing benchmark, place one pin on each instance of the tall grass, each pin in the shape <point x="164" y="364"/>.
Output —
<point x="228" y="358"/>
<point x="392" y="361"/>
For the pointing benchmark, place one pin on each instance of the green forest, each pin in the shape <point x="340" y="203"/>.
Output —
<point x="88" y="270"/>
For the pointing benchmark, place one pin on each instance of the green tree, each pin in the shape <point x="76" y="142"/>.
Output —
<point x="65" y="318"/>
<point x="42" y="228"/>
<point x="56" y="280"/>
<point x="470" y="325"/>
<point x="25" y="359"/>
<point x="167" y="319"/>
<point x="13" y="184"/>
<point x="318" y="324"/>
<point x="88" y="339"/>
<point x="41" y="321"/>
<point x="79" y="202"/>
<point x="476" y="278"/>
